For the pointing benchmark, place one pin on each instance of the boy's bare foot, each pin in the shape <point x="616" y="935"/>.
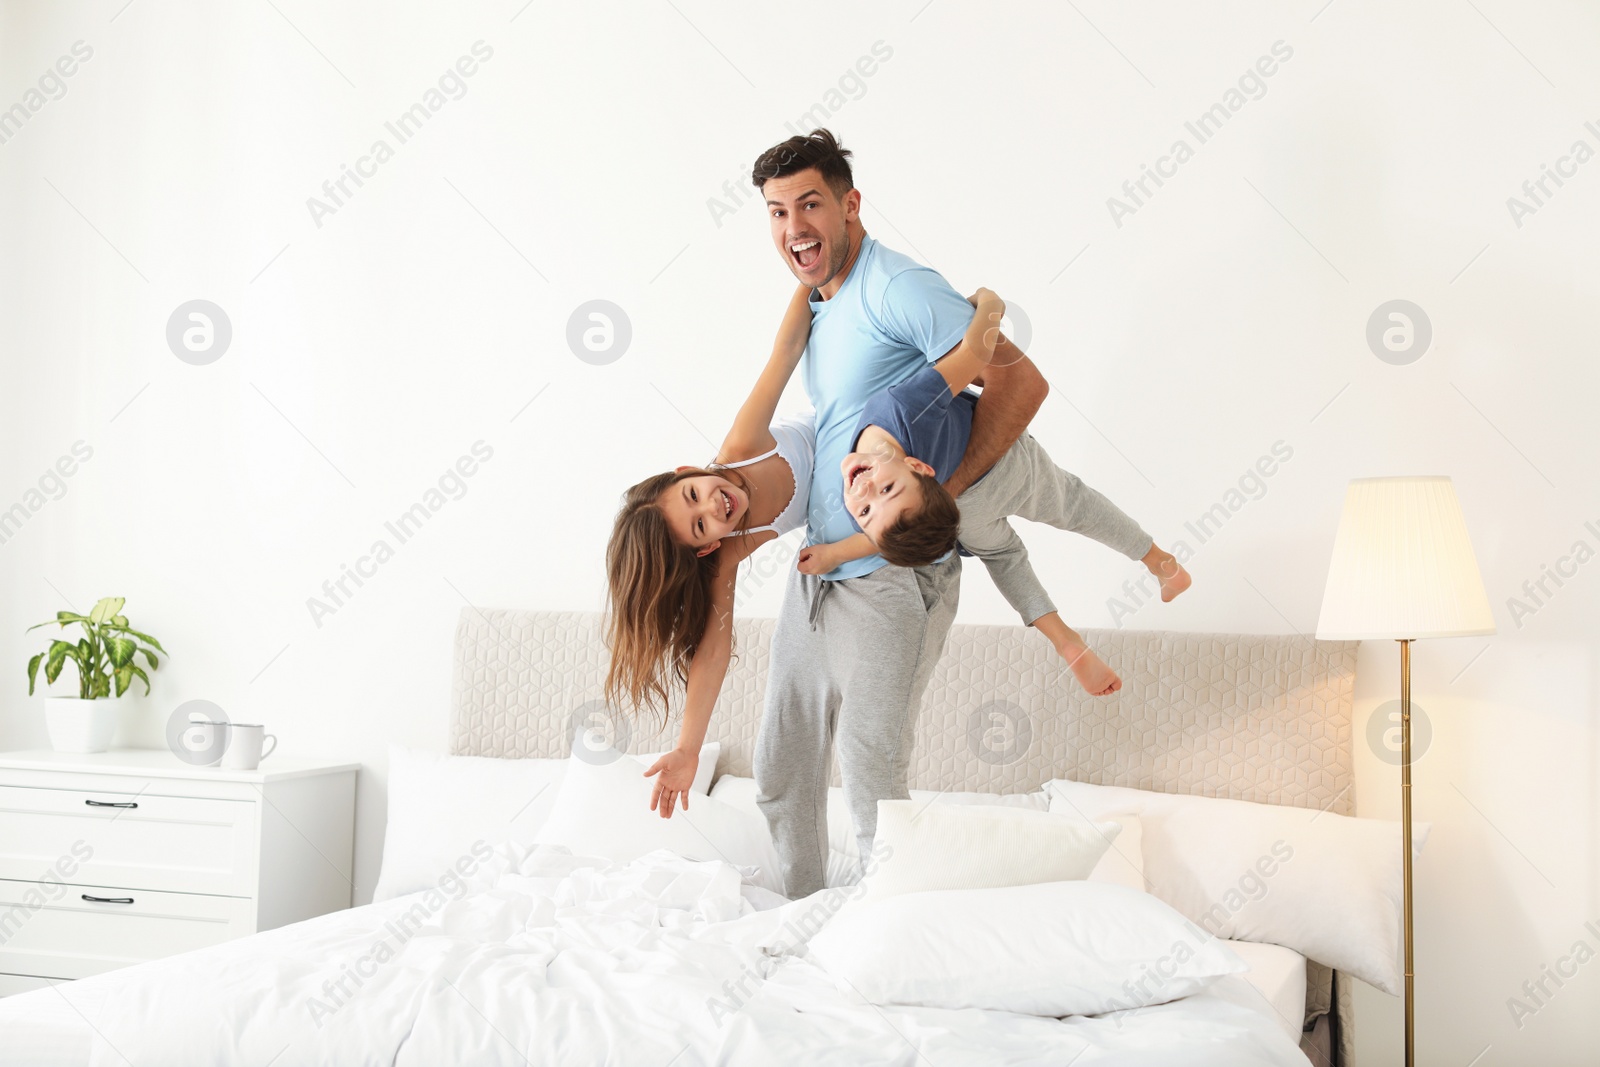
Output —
<point x="1165" y="566"/>
<point x="1091" y="671"/>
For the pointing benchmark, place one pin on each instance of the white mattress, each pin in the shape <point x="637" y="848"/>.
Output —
<point x="1279" y="975"/>
<point x="579" y="962"/>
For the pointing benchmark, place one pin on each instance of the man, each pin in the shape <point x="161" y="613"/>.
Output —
<point x="877" y="317"/>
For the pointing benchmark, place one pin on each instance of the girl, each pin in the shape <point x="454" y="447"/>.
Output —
<point x="675" y="552"/>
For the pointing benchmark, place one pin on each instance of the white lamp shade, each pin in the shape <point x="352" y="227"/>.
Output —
<point x="1403" y="565"/>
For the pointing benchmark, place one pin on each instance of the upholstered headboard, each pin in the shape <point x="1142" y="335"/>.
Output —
<point x="1260" y="718"/>
<point x="1253" y="718"/>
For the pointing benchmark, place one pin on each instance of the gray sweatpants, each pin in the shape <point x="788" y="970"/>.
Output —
<point x="1027" y="482"/>
<point x="850" y="661"/>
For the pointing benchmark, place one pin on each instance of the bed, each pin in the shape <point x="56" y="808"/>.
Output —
<point x="554" y="958"/>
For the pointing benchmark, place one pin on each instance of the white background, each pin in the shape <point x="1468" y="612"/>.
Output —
<point x="1228" y="313"/>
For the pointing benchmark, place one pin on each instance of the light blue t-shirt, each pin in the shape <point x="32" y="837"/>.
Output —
<point x="891" y="318"/>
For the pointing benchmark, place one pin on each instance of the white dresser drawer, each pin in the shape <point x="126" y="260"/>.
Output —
<point x="74" y="937"/>
<point x="133" y="840"/>
<point x="202" y="855"/>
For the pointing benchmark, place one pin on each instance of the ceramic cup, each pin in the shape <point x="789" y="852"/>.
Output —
<point x="204" y="741"/>
<point x="244" y="746"/>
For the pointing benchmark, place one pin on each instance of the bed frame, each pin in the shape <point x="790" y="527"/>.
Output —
<point x="1259" y="718"/>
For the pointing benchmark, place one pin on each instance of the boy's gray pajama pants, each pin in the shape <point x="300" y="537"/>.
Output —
<point x="1026" y="482"/>
<point x="850" y="661"/>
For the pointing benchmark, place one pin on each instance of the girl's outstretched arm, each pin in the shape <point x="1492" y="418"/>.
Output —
<point x="706" y="673"/>
<point x="750" y="435"/>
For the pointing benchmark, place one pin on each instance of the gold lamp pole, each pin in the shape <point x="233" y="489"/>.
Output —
<point x="1402" y="569"/>
<point x="1405" y="848"/>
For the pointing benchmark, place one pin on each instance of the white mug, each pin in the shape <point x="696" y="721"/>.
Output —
<point x="204" y="741"/>
<point x="244" y="746"/>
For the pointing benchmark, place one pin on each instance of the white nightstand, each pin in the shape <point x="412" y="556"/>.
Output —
<point x="119" y="857"/>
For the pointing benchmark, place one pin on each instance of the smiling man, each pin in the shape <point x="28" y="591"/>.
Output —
<point x="853" y="649"/>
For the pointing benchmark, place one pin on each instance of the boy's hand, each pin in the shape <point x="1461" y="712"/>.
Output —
<point x="677" y="769"/>
<point x="996" y="312"/>
<point x="818" y="559"/>
<point x="985" y="294"/>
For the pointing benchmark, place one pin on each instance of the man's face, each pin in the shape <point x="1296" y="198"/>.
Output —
<point x="810" y="226"/>
<point x="879" y="488"/>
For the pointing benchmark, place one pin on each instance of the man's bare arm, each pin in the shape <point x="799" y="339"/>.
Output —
<point x="1013" y="390"/>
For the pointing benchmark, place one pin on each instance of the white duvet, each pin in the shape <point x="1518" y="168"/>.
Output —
<point x="557" y="959"/>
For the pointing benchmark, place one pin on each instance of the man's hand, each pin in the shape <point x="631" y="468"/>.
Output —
<point x="818" y="559"/>
<point x="1013" y="389"/>
<point x="677" y="770"/>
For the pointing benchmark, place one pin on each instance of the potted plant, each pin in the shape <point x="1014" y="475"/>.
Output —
<point x="104" y="656"/>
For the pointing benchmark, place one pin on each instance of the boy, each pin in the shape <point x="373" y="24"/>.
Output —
<point x="912" y="434"/>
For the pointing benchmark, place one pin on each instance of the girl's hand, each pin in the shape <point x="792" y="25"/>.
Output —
<point x="677" y="769"/>
<point x="985" y="294"/>
<point x="817" y="559"/>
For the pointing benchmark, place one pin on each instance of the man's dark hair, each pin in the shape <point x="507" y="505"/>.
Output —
<point x="819" y="149"/>
<point x="917" y="538"/>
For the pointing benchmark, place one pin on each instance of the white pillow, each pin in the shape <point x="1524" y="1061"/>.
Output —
<point x="440" y="805"/>
<point x="603" y="809"/>
<point x="1052" y="948"/>
<point x="1327" y="886"/>
<point x="1123" y="863"/>
<point x="844" y="854"/>
<point x="922" y="846"/>
<point x="844" y="851"/>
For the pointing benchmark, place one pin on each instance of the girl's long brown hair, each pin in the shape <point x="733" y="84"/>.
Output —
<point x="658" y="598"/>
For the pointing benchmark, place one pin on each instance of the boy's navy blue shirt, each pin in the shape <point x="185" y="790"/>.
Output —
<point x="930" y="423"/>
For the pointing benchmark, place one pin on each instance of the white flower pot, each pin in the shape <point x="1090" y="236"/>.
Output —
<point x="78" y="725"/>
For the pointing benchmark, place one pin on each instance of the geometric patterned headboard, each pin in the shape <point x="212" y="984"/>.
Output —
<point x="1262" y="718"/>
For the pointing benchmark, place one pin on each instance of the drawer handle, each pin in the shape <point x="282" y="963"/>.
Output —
<point x="107" y="900"/>
<point x="111" y="803"/>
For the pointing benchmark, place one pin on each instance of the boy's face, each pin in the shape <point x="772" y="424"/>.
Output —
<point x="879" y="488"/>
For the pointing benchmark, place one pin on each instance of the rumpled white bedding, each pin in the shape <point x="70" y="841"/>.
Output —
<point x="553" y="958"/>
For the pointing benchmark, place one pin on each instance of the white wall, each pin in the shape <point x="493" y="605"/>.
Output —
<point x="1226" y="314"/>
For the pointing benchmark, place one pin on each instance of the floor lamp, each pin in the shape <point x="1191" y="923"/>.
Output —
<point x="1403" y="569"/>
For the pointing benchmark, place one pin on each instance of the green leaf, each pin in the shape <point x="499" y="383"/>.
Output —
<point x="120" y="620"/>
<point x="60" y="652"/>
<point x="33" y="671"/>
<point x="106" y="608"/>
<point x="125" y="675"/>
<point x="120" y="650"/>
<point x="146" y="638"/>
<point x="99" y="686"/>
<point x="151" y="656"/>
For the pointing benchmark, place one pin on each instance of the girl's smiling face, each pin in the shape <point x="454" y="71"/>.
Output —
<point x="703" y="509"/>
